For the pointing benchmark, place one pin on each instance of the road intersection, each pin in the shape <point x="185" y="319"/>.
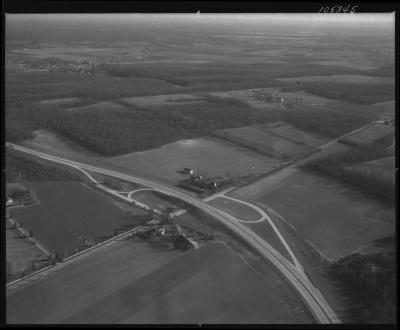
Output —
<point x="316" y="303"/>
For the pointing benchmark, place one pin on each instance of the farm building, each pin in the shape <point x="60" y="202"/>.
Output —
<point x="188" y="170"/>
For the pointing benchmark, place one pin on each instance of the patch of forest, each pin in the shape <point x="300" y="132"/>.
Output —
<point x="342" y="165"/>
<point x="322" y="121"/>
<point x="351" y="92"/>
<point x="21" y="168"/>
<point x="369" y="281"/>
<point x="133" y="129"/>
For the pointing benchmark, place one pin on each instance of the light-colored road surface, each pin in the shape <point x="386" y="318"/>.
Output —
<point x="321" y="310"/>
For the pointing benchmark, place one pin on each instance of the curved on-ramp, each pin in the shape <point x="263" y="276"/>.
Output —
<point x="320" y="309"/>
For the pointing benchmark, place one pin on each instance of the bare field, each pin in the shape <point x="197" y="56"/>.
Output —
<point x="264" y="142"/>
<point x="294" y="134"/>
<point x="68" y="212"/>
<point x="210" y="156"/>
<point x="84" y="282"/>
<point x="335" y="218"/>
<point x="132" y="283"/>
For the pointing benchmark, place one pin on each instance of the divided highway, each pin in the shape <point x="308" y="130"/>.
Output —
<point x="316" y="303"/>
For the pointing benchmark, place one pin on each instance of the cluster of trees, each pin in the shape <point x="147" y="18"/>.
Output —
<point x="127" y="130"/>
<point x="370" y="281"/>
<point x="326" y="123"/>
<point x="21" y="168"/>
<point x="352" y="92"/>
<point x="344" y="166"/>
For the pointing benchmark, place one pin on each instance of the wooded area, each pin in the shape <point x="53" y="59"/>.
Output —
<point x="341" y="166"/>
<point x="369" y="281"/>
<point x="22" y="168"/>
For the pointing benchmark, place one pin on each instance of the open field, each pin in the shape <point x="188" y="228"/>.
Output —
<point x="241" y="211"/>
<point x="264" y="142"/>
<point x="296" y="135"/>
<point x="67" y="213"/>
<point x="343" y="78"/>
<point x="335" y="218"/>
<point x="369" y="135"/>
<point x="157" y="100"/>
<point x="210" y="156"/>
<point x="21" y="255"/>
<point x="132" y="283"/>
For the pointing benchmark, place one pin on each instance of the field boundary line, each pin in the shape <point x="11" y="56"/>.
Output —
<point x="66" y="261"/>
<point x="34" y="241"/>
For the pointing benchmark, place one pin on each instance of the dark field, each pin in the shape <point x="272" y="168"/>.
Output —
<point x="370" y="135"/>
<point x="67" y="213"/>
<point x="131" y="283"/>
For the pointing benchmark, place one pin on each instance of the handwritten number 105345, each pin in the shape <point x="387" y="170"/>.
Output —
<point x="338" y="9"/>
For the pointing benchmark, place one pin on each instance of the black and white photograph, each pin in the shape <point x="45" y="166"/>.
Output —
<point x="199" y="167"/>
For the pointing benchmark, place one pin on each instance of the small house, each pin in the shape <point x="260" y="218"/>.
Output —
<point x="188" y="170"/>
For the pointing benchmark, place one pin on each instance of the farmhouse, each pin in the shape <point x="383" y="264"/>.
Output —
<point x="188" y="170"/>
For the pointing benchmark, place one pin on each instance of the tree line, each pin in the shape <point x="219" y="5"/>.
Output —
<point x="370" y="281"/>
<point x="343" y="165"/>
<point x="119" y="131"/>
<point x="21" y="168"/>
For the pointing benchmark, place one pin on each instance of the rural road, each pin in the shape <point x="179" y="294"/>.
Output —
<point x="270" y="181"/>
<point x="316" y="303"/>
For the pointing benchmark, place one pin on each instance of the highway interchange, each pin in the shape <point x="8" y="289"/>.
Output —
<point x="316" y="303"/>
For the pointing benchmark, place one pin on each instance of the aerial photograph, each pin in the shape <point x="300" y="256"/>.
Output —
<point x="199" y="168"/>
